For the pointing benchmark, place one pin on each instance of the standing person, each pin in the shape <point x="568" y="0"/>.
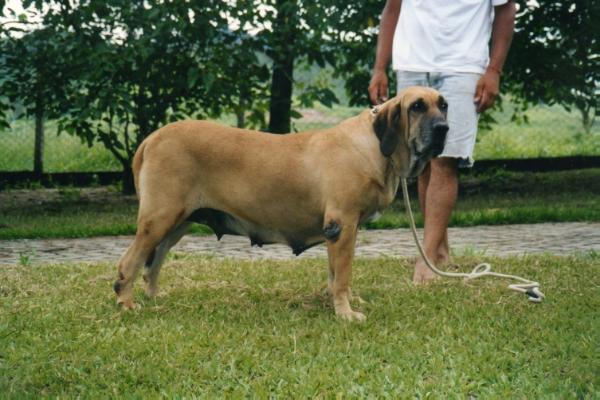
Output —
<point x="444" y="44"/>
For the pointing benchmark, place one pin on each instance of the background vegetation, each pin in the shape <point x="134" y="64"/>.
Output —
<point x="111" y="72"/>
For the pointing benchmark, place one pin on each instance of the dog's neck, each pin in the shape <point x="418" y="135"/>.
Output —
<point x="392" y="177"/>
<point x="389" y="169"/>
<point x="394" y="165"/>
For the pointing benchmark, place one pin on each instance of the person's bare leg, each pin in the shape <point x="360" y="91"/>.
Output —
<point x="438" y="189"/>
<point x="423" y="182"/>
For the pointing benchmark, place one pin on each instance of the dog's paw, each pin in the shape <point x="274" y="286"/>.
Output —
<point x="150" y="286"/>
<point x="151" y="291"/>
<point x="126" y="303"/>
<point x="128" y="306"/>
<point x="352" y="316"/>
<point x="359" y="299"/>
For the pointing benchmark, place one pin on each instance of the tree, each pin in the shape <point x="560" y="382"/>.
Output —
<point x="156" y="61"/>
<point x="239" y="84"/>
<point x="32" y="72"/>
<point x="138" y="65"/>
<point x="289" y="33"/>
<point x="283" y="53"/>
<point x="146" y="65"/>
<point x="555" y="56"/>
<point x="121" y="69"/>
<point x="354" y="32"/>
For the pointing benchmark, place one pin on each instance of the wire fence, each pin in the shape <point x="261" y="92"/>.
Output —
<point x="551" y="132"/>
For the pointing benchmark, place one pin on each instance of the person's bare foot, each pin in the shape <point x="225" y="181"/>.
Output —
<point x="422" y="273"/>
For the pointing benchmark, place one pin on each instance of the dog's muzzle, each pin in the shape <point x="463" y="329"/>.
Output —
<point x="431" y="147"/>
<point x="440" y="129"/>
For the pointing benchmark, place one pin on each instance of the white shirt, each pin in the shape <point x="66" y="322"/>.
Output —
<point x="443" y="35"/>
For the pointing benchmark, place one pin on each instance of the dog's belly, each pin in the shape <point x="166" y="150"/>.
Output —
<point x="223" y="223"/>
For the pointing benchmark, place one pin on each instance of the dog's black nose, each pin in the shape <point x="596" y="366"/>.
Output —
<point x="437" y="149"/>
<point x="440" y="128"/>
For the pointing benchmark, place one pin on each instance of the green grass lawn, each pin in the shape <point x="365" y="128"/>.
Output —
<point x="491" y="199"/>
<point x="265" y="329"/>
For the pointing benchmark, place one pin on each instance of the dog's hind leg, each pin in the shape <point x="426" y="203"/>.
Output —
<point x="156" y="259"/>
<point x="152" y="229"/>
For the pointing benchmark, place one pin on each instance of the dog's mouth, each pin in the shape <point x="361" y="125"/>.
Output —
<point x="427" y="144"/>
<point x="421" y="154"/>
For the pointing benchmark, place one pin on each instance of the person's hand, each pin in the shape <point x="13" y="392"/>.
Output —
<point x="378" y="88"/>
<point x="487" y="90"/>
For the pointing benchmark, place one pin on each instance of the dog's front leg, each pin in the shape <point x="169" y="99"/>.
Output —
<point x="341" y="239"/>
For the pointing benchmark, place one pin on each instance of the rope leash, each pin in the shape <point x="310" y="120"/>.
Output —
<point x="530" y="288"/>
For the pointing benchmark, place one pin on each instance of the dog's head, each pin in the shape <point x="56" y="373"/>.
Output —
<point x="412" y="128"/>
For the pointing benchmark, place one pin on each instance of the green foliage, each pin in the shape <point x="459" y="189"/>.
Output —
<point x="25" y="259"/>
<point x="317" y="90"/>
<point x="554" y="55"/>
<point x="35" y="69"/>
<point x="138" y="65"/>
<point x="265" y="329"/>
<point x="553" y="58"/>
<point x="145" y="61"/>
<point x="134" y="66"/>
<point x="354" y="30"/>
<point x="114" y="71"/>
<point x="35" y="72"/>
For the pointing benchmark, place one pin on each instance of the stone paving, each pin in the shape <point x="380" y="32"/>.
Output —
<point x="559" y="238"/>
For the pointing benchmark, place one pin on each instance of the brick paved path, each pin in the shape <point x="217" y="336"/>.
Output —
<point x="562" y="238"/>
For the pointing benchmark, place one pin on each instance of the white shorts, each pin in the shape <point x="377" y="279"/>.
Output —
<point x="459" y="91"/>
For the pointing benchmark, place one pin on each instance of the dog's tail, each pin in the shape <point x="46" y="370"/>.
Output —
<point x="136" y="166"/>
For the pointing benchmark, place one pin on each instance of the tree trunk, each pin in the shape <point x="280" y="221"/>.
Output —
<point x="281" y="96"/>
<point x="587" y="118"/>
<point x="38" y="147"/>
<point x="240" y="113"/>
<point x="283" y="69"/>
<point x="128" y="183"/>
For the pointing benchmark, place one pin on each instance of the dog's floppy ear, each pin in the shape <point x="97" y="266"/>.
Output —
<point x="387" y="128"/>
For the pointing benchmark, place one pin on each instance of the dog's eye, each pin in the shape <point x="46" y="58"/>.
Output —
<point x="444" y="106"/>
<point x="418" y="106"/>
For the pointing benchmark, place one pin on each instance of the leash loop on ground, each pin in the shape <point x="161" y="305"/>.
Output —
<point x="529" y="288"/>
